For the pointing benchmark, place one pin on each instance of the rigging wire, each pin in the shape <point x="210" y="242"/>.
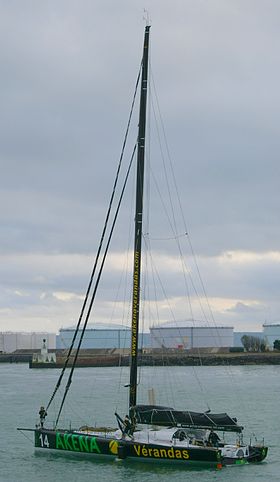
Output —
<point x="100" y="245"/>
<point x="26" y="436"/>
<point x="183" y="218"/>
<point x="172" y="224"/>
<point x="96" y="286"/>
<point x="184" y="270"/>
<point x="172" y="221"/>
<point x="163" y="356"/>
<point x="229" y="369"/>
<point x="127" y="309"/>
<point x="173" y="316"/>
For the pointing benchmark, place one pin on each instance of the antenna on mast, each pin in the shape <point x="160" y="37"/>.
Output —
<point x="146" y="17"/>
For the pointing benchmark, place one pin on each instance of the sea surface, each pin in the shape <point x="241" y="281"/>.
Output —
<point x="252" y="393"/>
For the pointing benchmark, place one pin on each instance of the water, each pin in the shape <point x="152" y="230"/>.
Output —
<point x="250" y="393"/>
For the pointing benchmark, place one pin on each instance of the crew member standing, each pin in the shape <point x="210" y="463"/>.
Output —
<point x="43" y="414"/>
<point x="214" y="439"/>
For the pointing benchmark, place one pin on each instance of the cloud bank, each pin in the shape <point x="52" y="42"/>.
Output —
<point x="68" y="74"/>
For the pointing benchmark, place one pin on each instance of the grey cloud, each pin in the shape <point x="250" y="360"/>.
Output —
<point x="68" y="73"/>
<point x="243" y="308"/>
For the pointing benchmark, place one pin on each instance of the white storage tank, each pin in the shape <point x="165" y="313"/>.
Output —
<point x="12" y="341"/>
<point x="97" y="336"/>
<point x="9" y="341"/>
<point x="271" y="332"/>
<point x="191" y="334"/>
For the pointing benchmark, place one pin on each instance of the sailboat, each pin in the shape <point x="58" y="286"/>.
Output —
<point x="149" y="432"/>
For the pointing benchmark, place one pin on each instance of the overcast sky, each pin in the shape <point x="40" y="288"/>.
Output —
<point x="68" y="70"/>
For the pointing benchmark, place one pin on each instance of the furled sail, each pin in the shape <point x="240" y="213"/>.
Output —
<point x="166" y="416"/>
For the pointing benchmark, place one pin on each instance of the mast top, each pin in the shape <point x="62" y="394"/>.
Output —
<point x="146" y="17"/>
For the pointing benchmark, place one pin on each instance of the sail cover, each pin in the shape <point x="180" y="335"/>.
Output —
<point x="166" y="416"/>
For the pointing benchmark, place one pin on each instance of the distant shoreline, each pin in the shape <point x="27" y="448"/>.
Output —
<point x="151" y="359"/>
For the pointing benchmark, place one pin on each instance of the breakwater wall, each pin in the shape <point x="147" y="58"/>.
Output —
<point x="269" y="358"/>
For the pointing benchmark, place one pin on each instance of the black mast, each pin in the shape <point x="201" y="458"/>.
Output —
<point x="138" y="223"/>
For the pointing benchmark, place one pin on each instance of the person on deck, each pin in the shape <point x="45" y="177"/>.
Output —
<point x="213" y="439"/>
<point x="43" y="414"/>
<point x="127" y="426"/>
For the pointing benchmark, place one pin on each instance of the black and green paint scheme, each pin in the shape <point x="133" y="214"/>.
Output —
<point x="69" y="441"/>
